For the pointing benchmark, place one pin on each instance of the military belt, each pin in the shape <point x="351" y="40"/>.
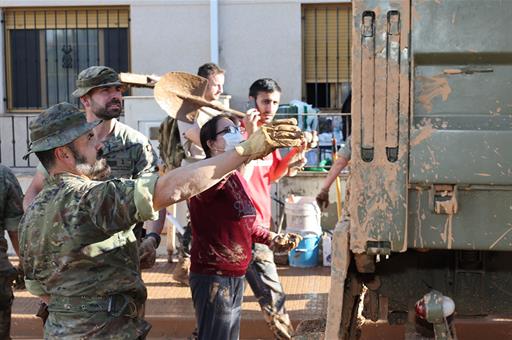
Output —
<point x="115" y="305"/>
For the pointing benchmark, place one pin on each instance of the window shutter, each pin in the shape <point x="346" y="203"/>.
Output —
<point x="327" y="43"/>
<point x="66" y="17"/>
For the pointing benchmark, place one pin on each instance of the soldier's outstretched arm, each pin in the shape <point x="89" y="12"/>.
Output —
<point x="115" y="205"/>
<point x="187" y="181"/>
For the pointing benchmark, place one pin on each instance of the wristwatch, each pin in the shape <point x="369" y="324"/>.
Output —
<point x="156" y="237"/>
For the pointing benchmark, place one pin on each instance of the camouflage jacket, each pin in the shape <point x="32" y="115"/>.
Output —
<point x="11" y="210"/>
<point x="76" y="240"/>
<point x="128" y="153"/>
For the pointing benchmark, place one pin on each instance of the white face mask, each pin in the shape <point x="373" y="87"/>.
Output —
<point x="232" y="139"/>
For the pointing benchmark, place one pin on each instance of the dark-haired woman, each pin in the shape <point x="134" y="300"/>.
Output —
<point x="223" y="231"/>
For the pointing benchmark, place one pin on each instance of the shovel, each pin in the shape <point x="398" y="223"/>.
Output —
<point x="181" y="94"/>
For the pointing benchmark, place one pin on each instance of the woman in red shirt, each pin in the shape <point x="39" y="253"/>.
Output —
<point x="223" y="231"/>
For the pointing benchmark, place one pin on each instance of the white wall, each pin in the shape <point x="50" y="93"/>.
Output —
<point x="260" y="39"/>
<point x="257" y="38"/>
<point x="172" y="37"/>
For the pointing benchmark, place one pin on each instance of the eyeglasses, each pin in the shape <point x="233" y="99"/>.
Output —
<point x="229" y="129"/>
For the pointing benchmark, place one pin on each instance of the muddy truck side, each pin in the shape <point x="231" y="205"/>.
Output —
<point x="429" y="223"/>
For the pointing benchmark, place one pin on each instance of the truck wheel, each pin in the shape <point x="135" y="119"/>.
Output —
<point x="350" y="320"/>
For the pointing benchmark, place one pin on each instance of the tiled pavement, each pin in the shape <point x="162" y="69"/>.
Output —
<point x="169" y="308"/>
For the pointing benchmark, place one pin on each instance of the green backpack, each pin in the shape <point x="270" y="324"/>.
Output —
<point x="171" y="150"/>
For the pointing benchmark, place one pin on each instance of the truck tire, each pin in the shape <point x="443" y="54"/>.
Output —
<point x="350" y="319"/>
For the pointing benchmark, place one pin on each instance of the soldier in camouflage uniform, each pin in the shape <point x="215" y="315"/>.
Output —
<point x="11" y="210"/>
<point x="128" y="152"/>
<point x="76" y="240"/>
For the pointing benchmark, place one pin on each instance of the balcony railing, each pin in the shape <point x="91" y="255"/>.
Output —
<point x="14" y="136"/>
<point x="328" y="125"/>
<point x="14" y="140"/>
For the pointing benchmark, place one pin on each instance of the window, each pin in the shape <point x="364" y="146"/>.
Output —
<point x="46" y="48"/>
<point x="326" y="33"/>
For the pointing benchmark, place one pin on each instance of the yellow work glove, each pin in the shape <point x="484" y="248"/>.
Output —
<point x="285" y="242"/>
<point x="280" y="133"/>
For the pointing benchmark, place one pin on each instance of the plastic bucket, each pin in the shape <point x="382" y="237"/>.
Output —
<point x="302" y="215"/>
<point x="306" y="253"/>
<point x="326" y="246"/>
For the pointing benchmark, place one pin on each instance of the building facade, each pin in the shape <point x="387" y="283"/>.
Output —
<point x="304" y="45"/>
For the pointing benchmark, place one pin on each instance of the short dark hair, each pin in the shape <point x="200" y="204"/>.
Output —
<point x="209" y="132"/>
<point x="267" y="85"/>
<point x="47" y="158"/>
<point x="209" y="69"/>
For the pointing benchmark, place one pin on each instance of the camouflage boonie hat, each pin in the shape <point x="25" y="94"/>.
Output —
<point x="57" y="126"/>
<point x="93" y="77"/>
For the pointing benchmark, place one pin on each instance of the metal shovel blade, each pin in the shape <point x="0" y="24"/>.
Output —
<point x="180" y="94"/>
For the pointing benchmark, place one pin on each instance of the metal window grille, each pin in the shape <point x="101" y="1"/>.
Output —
<point x="14" y="139"/>
<point x="47" y="47"/>
<point x="326" y="35"/>
<point x="327" y="124"/>
<point x="326" y="54"/>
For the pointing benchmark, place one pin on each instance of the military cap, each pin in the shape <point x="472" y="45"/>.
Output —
<point x="93" y="77"/>
<point x="57" y="126"/>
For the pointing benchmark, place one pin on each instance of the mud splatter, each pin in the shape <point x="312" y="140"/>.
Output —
<point x="432" y="87"/>
<point x="234" y="254"/>
<point x="433" y="159"/>
<point x="213" y="291"/>
<point x="426" y="131"/>
<point x="447" y="207"/>
<point x="237" y="255"/>
<point x="224" y="294"/>
<point x="420" y="222"/>
<point x="447" y="235"/>
<point x="452" y="71"/>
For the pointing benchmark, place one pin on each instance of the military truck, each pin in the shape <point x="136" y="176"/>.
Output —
<point x="429" y="222"/>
